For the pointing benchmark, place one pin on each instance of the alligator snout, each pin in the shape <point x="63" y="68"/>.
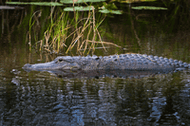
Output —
<point x="26" y="66"/>
<point x="52" y="66"/>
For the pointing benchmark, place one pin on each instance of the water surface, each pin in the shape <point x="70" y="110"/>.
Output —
<point x="42" y="98"/>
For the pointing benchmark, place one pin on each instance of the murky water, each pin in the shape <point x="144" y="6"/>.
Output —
<point x="38" y="98"/>
<point x="42" y="98"/>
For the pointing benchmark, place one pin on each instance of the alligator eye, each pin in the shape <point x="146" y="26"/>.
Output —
<point x="60" y="60"/>
<point x="97" y="58"/>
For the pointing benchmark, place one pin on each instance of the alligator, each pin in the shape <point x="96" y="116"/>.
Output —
<point x="124" y="62"/>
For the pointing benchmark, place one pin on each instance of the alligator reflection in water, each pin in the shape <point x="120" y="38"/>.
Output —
<point x="104" y="73"/>
<point x="146" y="101"/>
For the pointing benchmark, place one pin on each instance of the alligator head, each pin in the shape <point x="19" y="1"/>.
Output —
<point x="60" y="63"/>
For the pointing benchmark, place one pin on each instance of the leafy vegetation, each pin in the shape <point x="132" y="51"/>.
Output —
<point x="149" y="8"/>
<point x="37" y="3"/>
<point x="79" y="1"/>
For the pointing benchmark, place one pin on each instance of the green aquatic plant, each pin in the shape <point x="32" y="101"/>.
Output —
<point x="149" y="8"/>
<point x="37" y="3"/>
<point x="54" y="36"/>
<point x="79" y="1"/>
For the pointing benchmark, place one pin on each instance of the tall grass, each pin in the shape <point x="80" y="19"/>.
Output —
<point x="66" y="33"/>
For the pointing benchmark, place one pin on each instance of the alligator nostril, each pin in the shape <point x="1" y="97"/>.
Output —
<point x="27" y="66"/>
